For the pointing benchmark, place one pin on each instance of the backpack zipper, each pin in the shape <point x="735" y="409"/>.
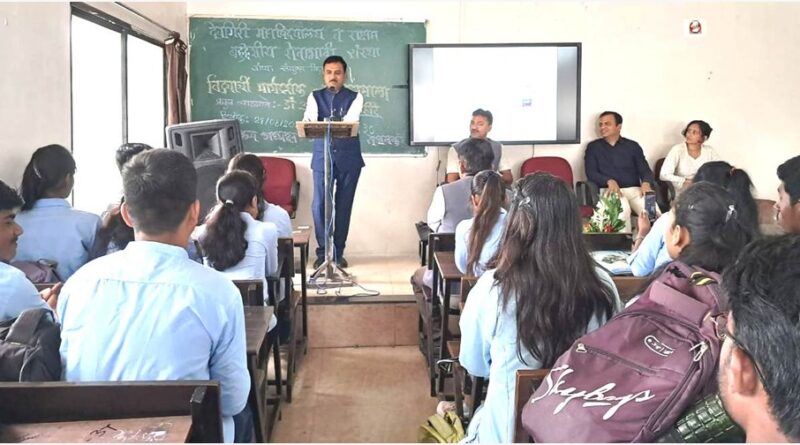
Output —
<point x="583" y="348"/>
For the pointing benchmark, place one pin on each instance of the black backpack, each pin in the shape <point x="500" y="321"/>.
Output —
<point x="29" y="347"/>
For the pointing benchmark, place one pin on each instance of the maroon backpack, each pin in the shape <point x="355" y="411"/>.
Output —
<point x="631" y="379"/>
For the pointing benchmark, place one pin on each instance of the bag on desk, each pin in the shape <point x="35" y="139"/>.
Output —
<point x="41" y="271"/>
<point x="29" y="347"/>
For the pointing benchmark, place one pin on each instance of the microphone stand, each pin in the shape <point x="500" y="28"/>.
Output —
<point x="329" y="272"/>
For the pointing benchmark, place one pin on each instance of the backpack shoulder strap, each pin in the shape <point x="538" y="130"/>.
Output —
<point x="22" y="330"/>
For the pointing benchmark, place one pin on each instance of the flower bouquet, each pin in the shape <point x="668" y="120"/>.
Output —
<point x="607" y="216"/>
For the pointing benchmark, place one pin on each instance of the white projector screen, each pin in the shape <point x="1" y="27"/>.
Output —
<point x="532" y="91"/>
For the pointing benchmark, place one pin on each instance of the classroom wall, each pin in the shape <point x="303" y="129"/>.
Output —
<point x="740" y="76"/>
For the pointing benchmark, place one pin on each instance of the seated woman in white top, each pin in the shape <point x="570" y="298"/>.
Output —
<point x="53" y="229"/>
<point x="684" y="159"/>
<point x="478" y="238"/>
<point x="267" y="211"/>
<point x="233" y="241"/>
<point x="545" y="293"/>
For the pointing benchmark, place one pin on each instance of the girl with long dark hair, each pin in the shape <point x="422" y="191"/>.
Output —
<point x="650" y="251"/>
<point x="53" y="229"/>
<point x="545" y="292"/>
<point x="478" y="238"/>
<point x="234" y="242"/>
<point x="267" y="212"/>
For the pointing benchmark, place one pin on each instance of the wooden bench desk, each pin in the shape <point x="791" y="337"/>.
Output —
<point x="627" y="286"/>
<point x="446" y="272"/>
<point x="256" y="321"/>
<point x="301" y="239"/>
<point x="92" y="411"/>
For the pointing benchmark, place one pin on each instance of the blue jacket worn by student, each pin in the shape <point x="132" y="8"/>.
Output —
<point x="345" y="155"/>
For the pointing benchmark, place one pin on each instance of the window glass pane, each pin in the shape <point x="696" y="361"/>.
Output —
<point x="96" y="113"/>
<point x="145" y="92"/>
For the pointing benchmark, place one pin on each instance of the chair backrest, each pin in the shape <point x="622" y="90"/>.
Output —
<point x="75" y="401"/>
<point x="281" y="177"/>
<point x="252" y="292"/>
<point x="527" y="382"/>
<point x="665" y="191"/>
<point x="440" y="242"/>
<point x="551" y="164"/>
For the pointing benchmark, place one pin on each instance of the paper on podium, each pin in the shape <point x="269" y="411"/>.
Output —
<point x="316" y="129"/>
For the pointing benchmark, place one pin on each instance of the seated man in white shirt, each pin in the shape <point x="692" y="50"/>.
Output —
<point x="149" y="312"/>
<point x="479" y="128"/>
<point x="17" y="293"/>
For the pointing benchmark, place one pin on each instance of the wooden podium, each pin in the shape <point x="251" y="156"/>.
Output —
<point x="328" y="273"/>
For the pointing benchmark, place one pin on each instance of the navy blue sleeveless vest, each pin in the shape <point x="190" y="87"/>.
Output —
<point x="346" y="152"/>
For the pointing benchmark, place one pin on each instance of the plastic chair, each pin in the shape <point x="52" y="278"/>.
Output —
<point x="281" y="187"/>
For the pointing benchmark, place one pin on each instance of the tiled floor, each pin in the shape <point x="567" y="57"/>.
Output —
<point x="387" y="275"/>
<point x="376" y="394"/>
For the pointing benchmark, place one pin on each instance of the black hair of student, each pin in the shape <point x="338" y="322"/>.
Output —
<point x="46" y="171"/>
<point x="112" y="229"/>
<point x="224" y="243"/>
<point x="488" y="185"/>
<point x="485" y="114"/>
<point x="789" y="174"/>
<point x="126" y="151"/>
<point x="335" y="59"/>
<point x="252" y="164"/>
<point x="716" y="226"/>
<point x="737" y="182"/>
<point x="763" y="288"/>
<point x="477" y="155"/>
<point x="617" y="116"/>
<point x="705" y="129"/>
<point x="551" y="311"/>
<point x="159" y="186"/>
<point x="9" y="198"/>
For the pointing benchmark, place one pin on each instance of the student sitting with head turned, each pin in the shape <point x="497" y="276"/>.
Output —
<point x="114" y="234"/>
<point x="149" y="312"/>
<point x="233" y="241"/>
<point x="478" y="238"/>
<point x="267" y="212"/>
<point x="787" y="207"/>
<point x="17" y="294"/>
<point x="650" y="252"/>
<point x="524" y="314"/>
<point x="53" y="229"/>
<point x="760" y="357"/>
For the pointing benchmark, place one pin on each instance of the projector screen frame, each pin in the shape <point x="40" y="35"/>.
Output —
<point x="576" y="45"/>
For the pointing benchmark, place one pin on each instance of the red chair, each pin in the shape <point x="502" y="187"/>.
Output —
<point x="281" y="187"/>
<point x="558" y="167"/>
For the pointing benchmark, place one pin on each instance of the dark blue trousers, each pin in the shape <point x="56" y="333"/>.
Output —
<point x="344" y="190"/>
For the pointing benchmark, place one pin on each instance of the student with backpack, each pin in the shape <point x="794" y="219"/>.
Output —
<point x="631" y="379"/>
<point x="478" y="238"/>
<point x="267" y="212"/>
<point x="53" y="229"/>
<point x="524" y="313"/>
<point x="651" y="253"/>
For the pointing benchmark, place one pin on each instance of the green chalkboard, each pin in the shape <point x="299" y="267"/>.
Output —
<point x="261" y="72"/>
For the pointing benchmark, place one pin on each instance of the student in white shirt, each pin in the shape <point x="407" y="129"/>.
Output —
<point x="53" y="229"/>
<point x="681" y="163"/>
<point x="267" y="212"/>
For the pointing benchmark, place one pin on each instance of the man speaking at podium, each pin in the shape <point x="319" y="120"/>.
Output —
<point x="337" y="103"/>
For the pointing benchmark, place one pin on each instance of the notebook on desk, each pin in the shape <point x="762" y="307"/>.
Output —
<point x="614" y="261"/>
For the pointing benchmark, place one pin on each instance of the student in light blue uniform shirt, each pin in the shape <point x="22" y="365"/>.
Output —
<point x="529" y="278"/>
<point x="651" y="253"/>
<point x="17" y="294"/>
<point x="478" y="238"/>
<point x="53" y="229"/>
<point x="233" y="241"/>
<point x="267" y="212"/>
<point x="148" y="312"/>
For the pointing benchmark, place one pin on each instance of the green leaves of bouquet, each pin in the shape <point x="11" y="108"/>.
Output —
<point x="607" y="216"/>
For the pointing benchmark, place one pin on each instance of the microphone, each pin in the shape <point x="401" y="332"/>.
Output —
<point x="335" y="92"/>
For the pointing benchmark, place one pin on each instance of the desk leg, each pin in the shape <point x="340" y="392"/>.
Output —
<point x="430" y="344"/>
<point x="445" y="329"/>
<point x="304" y="294"/>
